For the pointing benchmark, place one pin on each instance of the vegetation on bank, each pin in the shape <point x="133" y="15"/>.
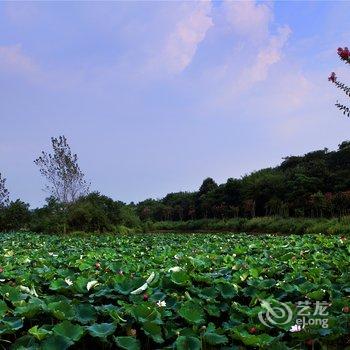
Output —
<point x="87" y="217"/>
<point x="275" y="225"/>
<point x="304" y="194"/>
<point x="173" y="291"/>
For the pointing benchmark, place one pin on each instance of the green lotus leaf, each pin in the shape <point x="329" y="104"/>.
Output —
<point x="180" y="277"/>
<point x="208" y="293"/>
<point x="262" y="284"/>
<point x="261" y="340"/>
<point x="213" y="310"/>
<point x="101" y="330"/>
<point x="227" y="290"/>
<point x="153" y="330"/>
<point x="27" y="342"/>
<point x="80" y="284"/>
<point x="212" y="337"/>
<point x="145" y="312"/>
<point x="317" y="295"/>
<point x="11" y="293"/>
<point x="3" y="308"/>
<point x="39" y="333"/>
<point x="58" y="285"/>
<point x="12" y="323"/>
<point x="61" y="310"/>
<point x="128" y="343"/>
<point x="30" y="309"/>
<point x="85" y="313"/>
<point x="192" y="312"/>
<point x="127" y="285"/>
<point x="188" y="343"/>
<point x="56" y="342"/>
<point x="215" y="339"/>
<point x="69" y="330"/>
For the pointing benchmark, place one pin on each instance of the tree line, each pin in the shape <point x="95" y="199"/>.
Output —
<point x="314" y="185"/>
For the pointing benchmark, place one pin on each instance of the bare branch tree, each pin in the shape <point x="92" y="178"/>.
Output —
<point x="4" y="193"/>
<point x="61" y="170"/>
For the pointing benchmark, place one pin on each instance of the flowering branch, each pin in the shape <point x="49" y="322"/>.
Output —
<point x="343" y="108"/>
<point x="344" y="55"/>
<point x="338" y="84"/>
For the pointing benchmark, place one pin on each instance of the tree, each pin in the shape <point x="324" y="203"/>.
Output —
<point x="66" y="181"/>
<point x="16" y="215"/>
<point x="4" y="193"/>
<point x="318" y="204"/>
<point x="61" y="170"/>
<point x="344" y="55"/>
<point x="208" y="185"/>
<point x="95" y="213"/>
<point x="48" y="219"/>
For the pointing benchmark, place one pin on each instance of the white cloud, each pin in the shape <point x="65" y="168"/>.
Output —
<point x="247" y="18"/>
<point x="248" y="71"/>
<point x="266" y="57"/>
<point x="181" y="44"/>
<point x="257" y="47"/>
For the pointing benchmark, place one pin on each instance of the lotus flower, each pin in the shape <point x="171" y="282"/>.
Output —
<point x="175" y="269"/>
<point x="161" y="303"/>
<point x="91" y="284"/>
<point x="68" y="281"/>
<point x="295" y="328"/>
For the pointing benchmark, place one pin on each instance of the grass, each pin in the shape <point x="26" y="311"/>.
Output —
<point x="275" y="225"/>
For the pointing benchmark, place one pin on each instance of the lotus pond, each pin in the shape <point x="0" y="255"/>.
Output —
<point x="174" y="291"/>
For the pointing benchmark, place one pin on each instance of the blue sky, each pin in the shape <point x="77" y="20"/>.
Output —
<point x="156" y="96"/>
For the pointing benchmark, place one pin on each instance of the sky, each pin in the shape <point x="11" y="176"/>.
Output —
<point x="156" y="96"/>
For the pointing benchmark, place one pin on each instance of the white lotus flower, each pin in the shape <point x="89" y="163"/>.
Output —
<point x="295" y="328"/>
<point x="8" y="253"/>
<point x="68" y="281"/>
<point x="24" y="289"/>
<point x="33" y="292"/>
<point x="91" y="284"/>
<point x="29" y="291"/>
<point x="2" y="280"/>
<point x="175" y="269"/>
<point x="161" y="303"/>
<point x="145" y="285"/>
<point x="150" y="278"/>
<point x="140" y="290"/>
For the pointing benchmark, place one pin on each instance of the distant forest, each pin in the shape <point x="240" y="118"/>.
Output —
<point x="311" y="186"/>
<point x="314" y="185"/>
